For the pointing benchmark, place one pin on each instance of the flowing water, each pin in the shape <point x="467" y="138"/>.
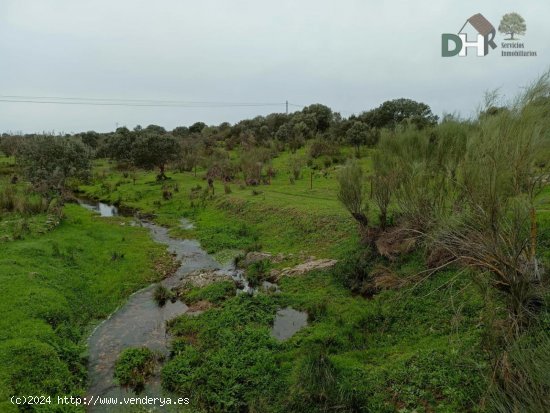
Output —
<point x="101" y="208"/>
<point x="141" y="322"/>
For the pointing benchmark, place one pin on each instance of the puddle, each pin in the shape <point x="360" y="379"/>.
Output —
<point x="288" y="322"/>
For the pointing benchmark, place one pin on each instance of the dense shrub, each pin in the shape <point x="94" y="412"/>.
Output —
<point x="351" y="192"/>
<point x="134" y="366"/>
<point x="50" y="161"/>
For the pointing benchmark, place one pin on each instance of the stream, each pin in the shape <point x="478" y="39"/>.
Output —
<point x="141" y="322"/>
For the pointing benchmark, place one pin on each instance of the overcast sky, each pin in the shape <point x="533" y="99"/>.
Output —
<point x="348" y="54"/>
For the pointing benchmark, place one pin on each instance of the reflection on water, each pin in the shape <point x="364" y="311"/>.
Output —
<point x="139" y="322"/>
<point x="288" y="322"/>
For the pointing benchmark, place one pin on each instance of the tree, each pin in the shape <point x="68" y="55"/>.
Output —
<point x="155" y="129"/>
<point x="48" y="161"/>
<point x="181" y="131"/>
<point x="284" y="133"/>
<point x="197" y="127"/>
<point x="120" y="144"/>
<point x="512" y="23"/>
<point x="322" y="114"/>
<point x="151" y="150"/>
<point x="90" y="138"/>
<point x="301" y="130"/>
<point x="10" y="144"/>
<point x="393" y="112"/>
<point x="361" y="134"/>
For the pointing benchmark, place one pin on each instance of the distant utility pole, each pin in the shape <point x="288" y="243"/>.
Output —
<point x="287" y="107"/>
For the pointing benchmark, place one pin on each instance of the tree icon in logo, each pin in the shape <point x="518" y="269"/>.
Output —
<point x="512" y="24"/>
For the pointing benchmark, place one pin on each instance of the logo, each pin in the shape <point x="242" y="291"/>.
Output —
<point x="511" y="25"/>
<point x="485" y="38"/>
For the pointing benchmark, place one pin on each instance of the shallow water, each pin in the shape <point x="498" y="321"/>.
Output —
<point x="140" y="321"/>
<point x="288" y="322"/>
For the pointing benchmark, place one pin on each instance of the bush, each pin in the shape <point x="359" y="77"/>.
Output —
<point x="8" y="199"/>
<point x="50" y="161"/>
<point x="162" y="294"/>
<point x="354" y="271"/>
<point x="320" y="147"/>
<point x="522" y="380"/>
<point x="315" y="382"/>
<point x="258" y="271"/>
<point x="295" y="165"/>
<point x="351" y="192"/>
<point x="134" y="366"/>
<point x="25" y="203"/>
<point x="233" y="377"/>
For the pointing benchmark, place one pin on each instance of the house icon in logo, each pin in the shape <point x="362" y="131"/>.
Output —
<point x="485" y="35"/>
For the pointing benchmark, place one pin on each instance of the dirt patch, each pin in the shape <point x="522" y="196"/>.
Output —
<point x="257" y="256"/>
<point x="254" y="257"/>
<point x="166" y="265"/>
<point x="300" y="269"/>
<point x="199" y="307"/>
<point x="203" y="278"/>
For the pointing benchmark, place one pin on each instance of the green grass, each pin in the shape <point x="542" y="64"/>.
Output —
<point x="418" y="349"/>
<point x="214" y="293"/>
<point x="55" y="286"/>
<point x="134" y="366"/>
<point x="284" y="217"/>
<point x="408" y="350"/>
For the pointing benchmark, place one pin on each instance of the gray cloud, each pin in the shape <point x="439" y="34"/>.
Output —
<point x="348" y="54"/>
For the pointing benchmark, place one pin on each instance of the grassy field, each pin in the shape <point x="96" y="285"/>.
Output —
<point x="417" y="349"/>
<point x="407" y="351"/>
<point x="55" y="285"/>
<point x="413" y="349"/>
<point x="304" y="216"/>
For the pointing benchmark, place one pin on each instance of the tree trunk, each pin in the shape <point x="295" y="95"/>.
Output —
<point x="383" y="219"/>
<point x="361" y="218"/>
<point x="162" y="175"/>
